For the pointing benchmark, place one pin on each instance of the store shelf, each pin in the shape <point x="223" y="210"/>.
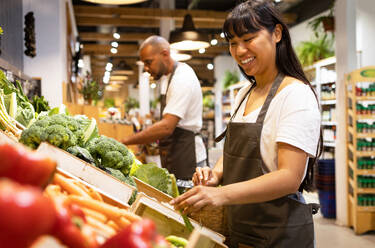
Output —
<point x="365" y="98"/>
<point x="365" y="135"/>
<point x="351" y="182"/>
<point x="328" y="102"/>
<point x="351" y="165"/>
<point x="366" y="190"/>
<point x="362" y="172"/>
<point x="365" y="117"/>
<point x="366" y="209"/>
<point x="329" y="144"/>
<point x="329" y="123"/>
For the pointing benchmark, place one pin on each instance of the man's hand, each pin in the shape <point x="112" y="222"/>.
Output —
<point x="159" y="130"/>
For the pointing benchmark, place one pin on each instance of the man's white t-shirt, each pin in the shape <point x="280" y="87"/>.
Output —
<point x="184" y="99"/>
<point x="293" y="117"/>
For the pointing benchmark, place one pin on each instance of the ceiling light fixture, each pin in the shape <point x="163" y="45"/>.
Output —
<point x="180" y="56"/>
<point x="113" y="50"/>
<point x="188" y="38"/>
<point x="122" y="68"/>
<point x="222" y="35"/>
<point x="213" y="42"/>
<point x="116" y="2"/>
<point x="114" y="44"/>
<point x="116" y="35"/>
<point x="210" y="66"/>
<point x="202" y="50"/>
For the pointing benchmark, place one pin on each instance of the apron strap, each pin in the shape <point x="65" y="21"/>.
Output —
<point x="163" y="101"/>
<point x="275" y="86"/>
<point x="222" y="135"/>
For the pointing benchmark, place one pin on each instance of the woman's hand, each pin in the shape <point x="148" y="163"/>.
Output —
<point x="205" y="176"/>
<point x="199" y="197"/>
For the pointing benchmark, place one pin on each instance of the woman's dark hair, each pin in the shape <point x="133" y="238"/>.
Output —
<point x="253" y="16"/>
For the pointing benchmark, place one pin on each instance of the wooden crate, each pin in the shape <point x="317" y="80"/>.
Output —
<point x="199" y="240"/>
<point x="212" y="218"/>
<point x="169" y="221"/>
<point x="106" y="184"/>
<point x="4" y="138"/>
<point x="152" y="192"/>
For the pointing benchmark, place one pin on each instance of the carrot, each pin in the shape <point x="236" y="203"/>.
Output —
<point x="69" y="186"/>
<point x="94" y="214"/>
<point x="95" y="194"/>
<point x="130" y="216"/>
<point x="112" y="224"/>
<point x="53" y="191"/>
<point x="105" y="229"/>
<point x="102" y="207"/>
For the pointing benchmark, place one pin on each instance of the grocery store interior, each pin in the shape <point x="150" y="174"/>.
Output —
<point x="80" y="59"/>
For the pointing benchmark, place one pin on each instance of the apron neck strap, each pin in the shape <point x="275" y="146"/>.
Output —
<point x="275" y="86"/>
<point x="163" y="101"/>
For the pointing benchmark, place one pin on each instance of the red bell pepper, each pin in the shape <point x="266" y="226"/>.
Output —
<point x="25" y="166"/>
<point x="140" y="234"/>
<point x="25" y="214"/>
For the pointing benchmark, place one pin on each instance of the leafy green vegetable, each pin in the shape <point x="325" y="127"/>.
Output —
<point x="230" y="78"/>
<point x="90" y="127"/>
<point x="81" y="153"/>
<point x="156" y="177"/>
<point x="25" y="111"/>
<point x="111" y="153"/>
<point x="40" y="104"/>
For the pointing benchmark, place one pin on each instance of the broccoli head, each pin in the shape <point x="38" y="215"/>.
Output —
<point x="157" y="177"/>
<point x="60" y="130"/>
<point x="111" y="153"/>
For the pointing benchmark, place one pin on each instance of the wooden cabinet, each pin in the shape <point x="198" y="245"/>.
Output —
<point x="361" y="148"/>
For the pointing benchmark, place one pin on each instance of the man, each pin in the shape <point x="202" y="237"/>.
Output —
<point x="181" y="149"/>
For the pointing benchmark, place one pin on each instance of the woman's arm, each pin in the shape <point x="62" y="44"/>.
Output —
<point x="284" y="181"/>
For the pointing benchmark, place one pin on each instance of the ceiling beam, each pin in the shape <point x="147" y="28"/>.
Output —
<point x="145" y="22"/>
<point x="152" y="13"/>
<point x="131" y="50"/>
<point x="87" y="36"/>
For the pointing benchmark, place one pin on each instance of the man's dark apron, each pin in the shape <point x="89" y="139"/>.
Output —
<point x="284" y="222"/>
<point x="177" y="151"/>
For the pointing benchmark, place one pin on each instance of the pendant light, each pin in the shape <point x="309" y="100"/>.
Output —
<point x="122" y="68"/>
<point x="115" y="2"/>
<point x="179" y="56"/>
<point x="188" y="38"/>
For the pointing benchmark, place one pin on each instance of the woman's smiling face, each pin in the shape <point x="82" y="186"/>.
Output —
<point x="255" y="52"/>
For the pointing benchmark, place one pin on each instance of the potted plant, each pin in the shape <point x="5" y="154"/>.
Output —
<point x="309" y="52"/>
<point x="325" y="21"/>
<point x="230" y="78"/>
<point x="91" y="90"/>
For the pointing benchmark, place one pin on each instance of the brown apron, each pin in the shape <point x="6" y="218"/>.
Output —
<point x="284" y="222"/>
<point x="177" y="151"/>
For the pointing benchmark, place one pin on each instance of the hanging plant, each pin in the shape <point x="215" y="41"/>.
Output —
<point x="324" y="23"/>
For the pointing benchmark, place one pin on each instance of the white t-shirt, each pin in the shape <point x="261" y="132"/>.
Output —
<point x="184" y="99"/>
<point x="293" y="117"/>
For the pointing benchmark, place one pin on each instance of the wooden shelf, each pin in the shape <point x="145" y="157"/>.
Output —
<point x="328" y="102"/>
<point x="329" y="123"/>
<point x="365" y="135"/>
<point x="366" y="190"/>
<point x="361" y="218"/>
<point x="365" y="98"/>
<point x="366" y="208"/>
<point x="365" y="117"/>
<point x="329" y="144"/>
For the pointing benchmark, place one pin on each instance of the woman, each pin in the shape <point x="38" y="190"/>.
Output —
<point x="271" y="141"/>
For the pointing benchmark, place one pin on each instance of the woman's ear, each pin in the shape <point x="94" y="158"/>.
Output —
<point x="278" y="33"/>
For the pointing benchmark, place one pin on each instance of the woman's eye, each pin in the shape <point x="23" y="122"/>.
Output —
<point x="249" y="39"/>
<point x="232" y="44"/>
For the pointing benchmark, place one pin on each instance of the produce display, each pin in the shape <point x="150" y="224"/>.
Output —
<point x="73" y="213"/>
